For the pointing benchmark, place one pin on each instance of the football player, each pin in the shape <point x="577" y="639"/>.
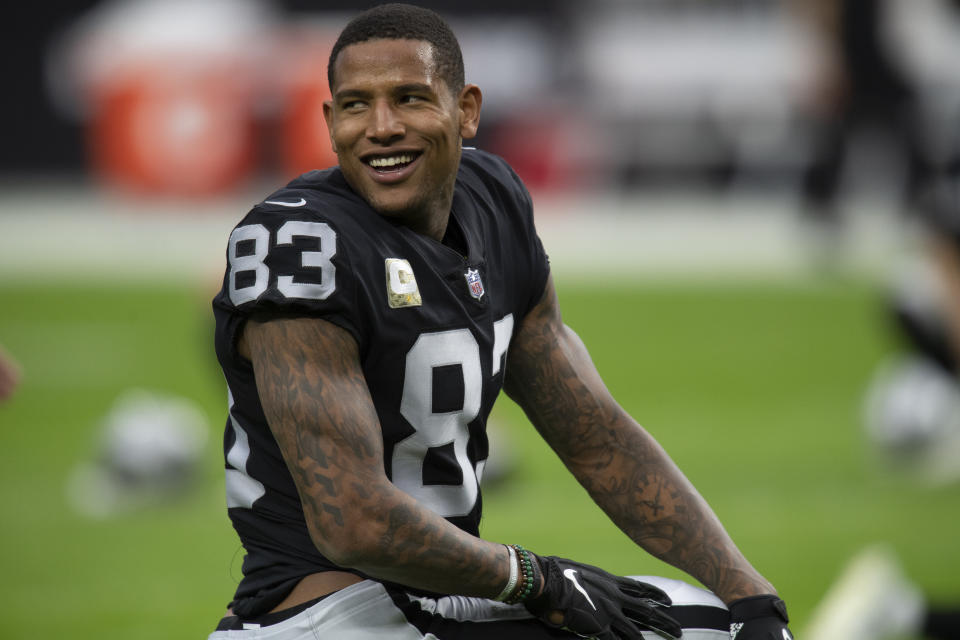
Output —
<point x="913" y="402"/>
<point x="369" y="316"/>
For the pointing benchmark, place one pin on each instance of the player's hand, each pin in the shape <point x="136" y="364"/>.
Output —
<point x="759" y="618"/>
<point x="596" y="604"/>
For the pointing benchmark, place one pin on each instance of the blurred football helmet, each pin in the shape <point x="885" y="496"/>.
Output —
<point x="149" y="449"/>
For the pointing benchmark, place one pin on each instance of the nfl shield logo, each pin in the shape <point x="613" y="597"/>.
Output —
<point x="474" y="283"/>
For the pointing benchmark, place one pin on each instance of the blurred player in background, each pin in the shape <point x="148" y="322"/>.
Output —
<point x="944" y="246"/>
<point x="9" y="375"/>
<point x="365" y="324"/>
<point x="912" y="415"/>
<point x="913" y="406"/>
<point x="862" y="88"/>
<point x="913" y="412"/>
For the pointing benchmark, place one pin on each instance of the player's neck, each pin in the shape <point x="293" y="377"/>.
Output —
<point x="433" y="225"/>
<point x="432" y="219"/>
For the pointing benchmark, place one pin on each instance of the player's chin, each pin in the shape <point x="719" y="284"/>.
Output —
<point x="395" y="200"/>
<point x="393" y="205"/>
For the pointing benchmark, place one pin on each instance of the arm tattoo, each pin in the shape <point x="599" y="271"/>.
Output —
<point x="295" y="394"/>
<point x="623" y="468"/>
<point x="318" y="405"/>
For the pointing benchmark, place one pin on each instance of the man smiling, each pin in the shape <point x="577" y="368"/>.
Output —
<point x="364" y="336"/>
<point x="396" y="126"/>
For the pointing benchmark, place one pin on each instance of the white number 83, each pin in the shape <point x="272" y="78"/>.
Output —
<point x="253" y="261"/>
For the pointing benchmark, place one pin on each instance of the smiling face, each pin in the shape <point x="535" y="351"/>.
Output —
<point x="397" y="127"/>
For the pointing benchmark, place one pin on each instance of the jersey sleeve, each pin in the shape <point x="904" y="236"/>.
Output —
<point x="539" y="260"/>
<point x="500" y="178"/>
<point x="289" y="263"/>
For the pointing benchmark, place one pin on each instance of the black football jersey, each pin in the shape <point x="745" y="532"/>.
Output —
<point x="433" y="325"/>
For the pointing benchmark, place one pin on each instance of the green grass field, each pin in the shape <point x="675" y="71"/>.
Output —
<point x="755" y="390"/>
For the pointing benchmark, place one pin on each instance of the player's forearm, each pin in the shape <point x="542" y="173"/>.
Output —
<point x="359" y="519"/>
<point x="379" y="530"/>
<point x="622" y="467"/>
<point x="636" y="483"/>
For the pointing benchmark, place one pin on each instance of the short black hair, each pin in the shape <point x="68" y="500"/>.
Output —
<point x="398" y="21"/>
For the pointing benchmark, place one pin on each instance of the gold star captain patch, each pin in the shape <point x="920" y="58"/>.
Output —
<point x="402" y="288"/>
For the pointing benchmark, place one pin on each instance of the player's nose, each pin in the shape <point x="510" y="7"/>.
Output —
<point x="385" y="125"/>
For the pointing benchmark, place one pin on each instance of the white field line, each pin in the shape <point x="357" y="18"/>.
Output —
<point x="76" y="234"/>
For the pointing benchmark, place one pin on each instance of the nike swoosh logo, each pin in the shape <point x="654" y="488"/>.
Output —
<point x="298" y="203"/>
<point x="571" y="575"/>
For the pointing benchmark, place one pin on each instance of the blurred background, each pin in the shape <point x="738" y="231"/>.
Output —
<point x="751" y="208"/>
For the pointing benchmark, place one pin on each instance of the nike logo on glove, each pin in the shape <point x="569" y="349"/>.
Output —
<point x="571" y="575"/>
<point x="298" y="203"/>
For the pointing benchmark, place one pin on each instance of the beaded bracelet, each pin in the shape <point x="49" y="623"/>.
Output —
<point x="528" y="579"/>
<point x="512" y="581"/>
<point x="537" y="575"/>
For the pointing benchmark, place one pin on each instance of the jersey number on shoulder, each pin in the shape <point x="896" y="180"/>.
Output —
<point x="446" y="429"/>
<point x="255" y="241"/>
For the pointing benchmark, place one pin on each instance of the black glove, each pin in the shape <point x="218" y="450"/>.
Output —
<point x="759" y="618"/>
<point x="596" y="604"/>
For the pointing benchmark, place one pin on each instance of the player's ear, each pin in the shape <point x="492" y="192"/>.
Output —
<point x="328" y="117"/>
<point x="470" y="100"/>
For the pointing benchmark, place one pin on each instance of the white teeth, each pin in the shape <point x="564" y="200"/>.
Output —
<point x="391" y="161"/>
